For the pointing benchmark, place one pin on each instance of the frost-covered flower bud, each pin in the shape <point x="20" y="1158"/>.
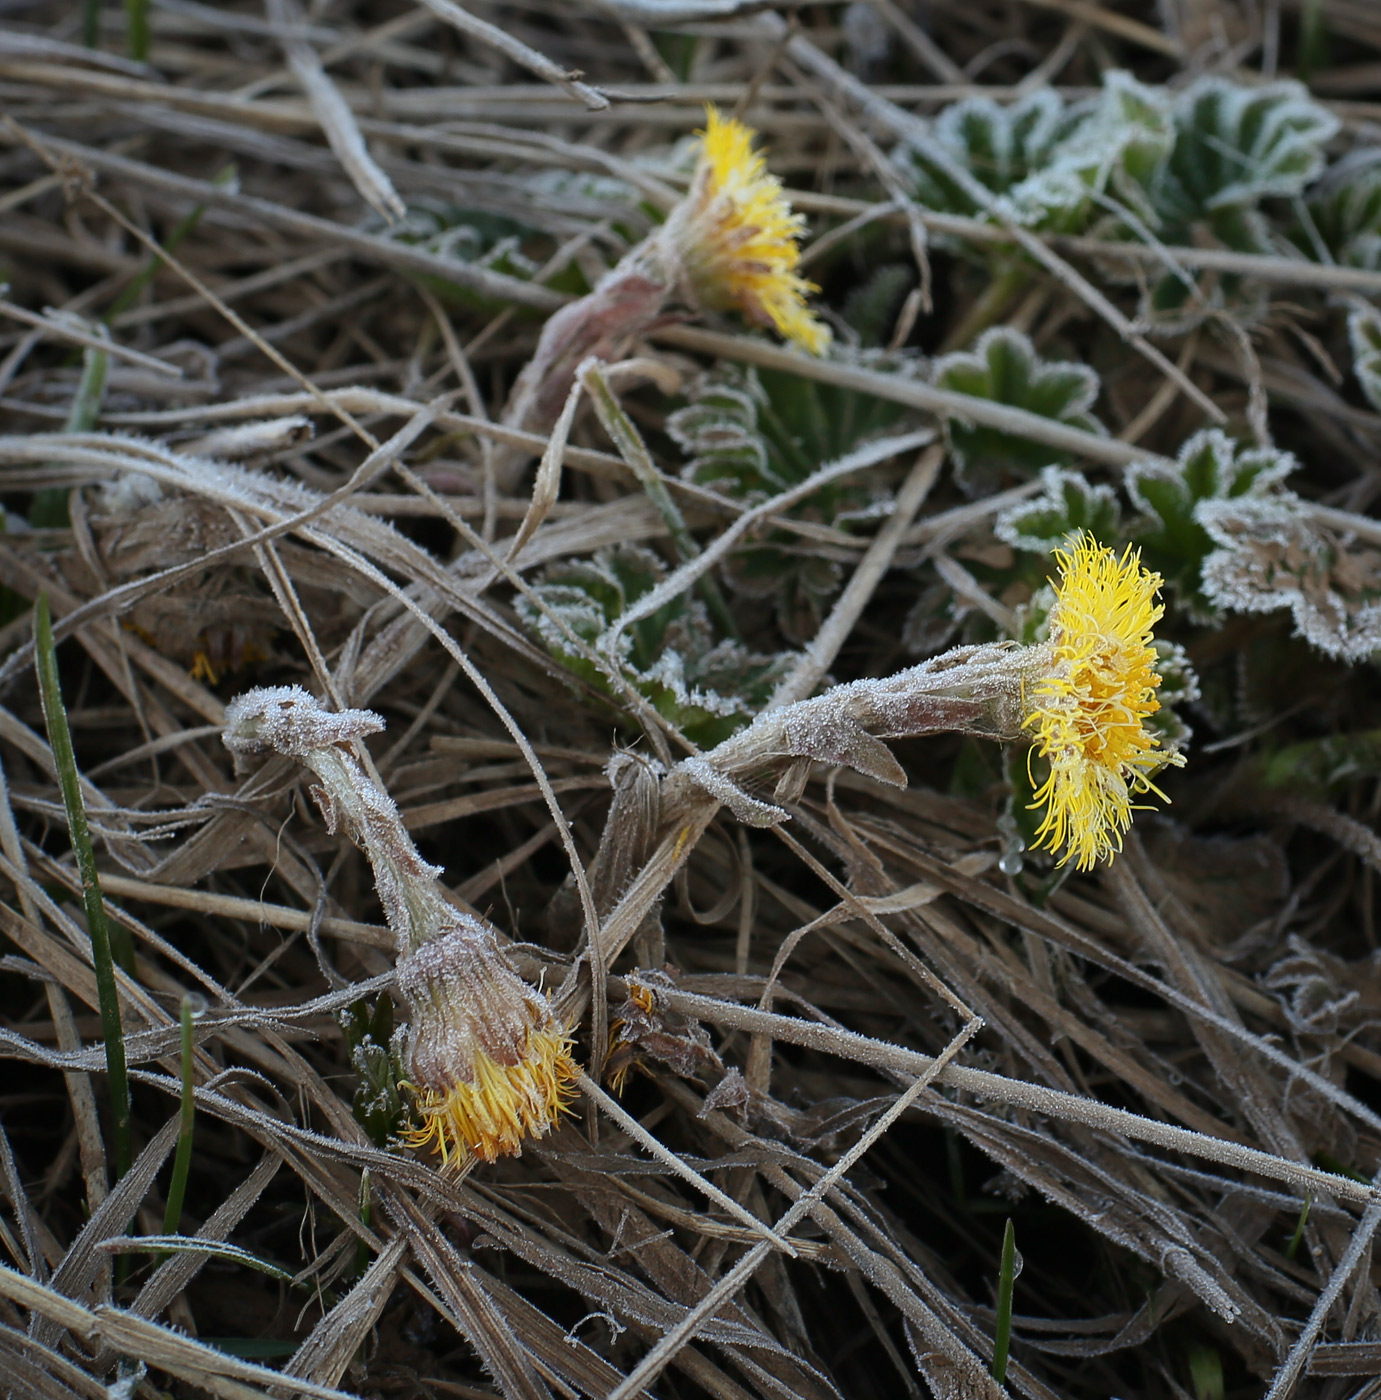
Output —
<point x="486" y="1060"/>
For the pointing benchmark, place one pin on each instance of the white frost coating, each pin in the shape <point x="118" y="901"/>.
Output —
<point x="976" y="690"/>
<point x="288" y="720"/>
<point x="1210" y="466"/>
<point x="1364" y="331"/>
<point x="1273" y="555"/>
<point x="1046" y="521"/>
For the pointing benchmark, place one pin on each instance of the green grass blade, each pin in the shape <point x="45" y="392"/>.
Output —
<point x="1006" y="1281"/>
<point x="1292" y="1248"/>
<point x="91" y="23"/>
<point x="182" y="1162"/>
<point x="183" y="1244"/>
<point x="60" y="738"/>
<point x="49" y="508"/>
<point x="137" y="28"/>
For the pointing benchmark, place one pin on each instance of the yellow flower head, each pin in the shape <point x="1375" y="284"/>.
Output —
<point x="737" y="239"/>
<point x="1088" y="711"/>
<point x="487" y="1064"/>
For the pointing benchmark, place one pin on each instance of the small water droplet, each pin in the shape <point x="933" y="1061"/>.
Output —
<point x="196" y="1004"/>
<point x="1011" y="863"/>
<point x="1018" y="1263"/>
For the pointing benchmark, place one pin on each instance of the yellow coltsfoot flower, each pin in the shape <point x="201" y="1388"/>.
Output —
<point x="737" y="240"/>
<point x="1092" y="693"/>
<point x="487" y="1064"/>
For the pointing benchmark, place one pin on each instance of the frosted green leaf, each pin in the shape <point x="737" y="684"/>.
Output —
<point x="1005" y="368"/>
<point x="1210" y="467"/>
<point x="1179" y="686"/>
<point x="752" y="434"/>
<point x="1364" y="331"/>
<point x="707" y="687"/>
<point x="1272" y="555"/>
<point x="1235" y="145"/>
<point x="1045" y="161"/>
<point x="1344" y="213"/>
<point x="1068" y="503"/>
<point x="871" y="308"/>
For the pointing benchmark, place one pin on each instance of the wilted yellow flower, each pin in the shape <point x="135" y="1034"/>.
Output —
<point x="487" y="1064"/>
<point x="1088" y="711"/>
<point x="737" y="238"/>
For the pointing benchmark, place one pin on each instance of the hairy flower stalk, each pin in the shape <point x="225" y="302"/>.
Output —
<point x="487" y="1063"/>
<point x="731" y="244"/>
<point x="1081" y="698"/>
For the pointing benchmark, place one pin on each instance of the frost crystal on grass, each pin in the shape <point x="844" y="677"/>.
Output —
<point x="1273" y="555"/>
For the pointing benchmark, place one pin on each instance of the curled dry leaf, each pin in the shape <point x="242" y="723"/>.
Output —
<point x="1273" y="555"/>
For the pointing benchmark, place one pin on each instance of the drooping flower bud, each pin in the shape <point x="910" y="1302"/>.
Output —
<point x="487" y="1062"/>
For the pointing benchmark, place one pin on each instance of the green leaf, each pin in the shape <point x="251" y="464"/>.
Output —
<point x="1004" y="368"/>
<point x="1210" y="467"/>
<point x="1342" y="213"/>
<point x="751" y="434"/>
<point x="1319" y="764"/>
<point x="871" y="308"/>
<point x="105" y="949"/>
<point x="1068" y="503"/>
<point x="185" y="1244"/>
<point x="1046" y="162"/>
<point x="1234" y="146"/>
<point x="1237" y="144"/>
<point x="707" y="687"/>
<point x="378" y="1104"/>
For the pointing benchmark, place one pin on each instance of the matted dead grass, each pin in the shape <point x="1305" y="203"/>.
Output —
<point x="269" y="292"/>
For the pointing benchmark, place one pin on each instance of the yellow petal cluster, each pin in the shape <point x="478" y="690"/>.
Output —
<point x="487" y="1063"/>
<point x="1088" y="711"/>
<point x="737" y="238"/>
<point x="505" y="1104"/>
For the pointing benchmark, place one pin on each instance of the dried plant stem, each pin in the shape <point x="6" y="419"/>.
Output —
<point x="630" y="1125"/>
<point x="848" y="607"/>
<point x="667" y="1346"/>
<point x="997" y="1088"/>
<point x="1288" y="1373"/>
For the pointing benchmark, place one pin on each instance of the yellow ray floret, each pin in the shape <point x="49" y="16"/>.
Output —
<point x="1088" y="712"/>
<point x="739" y="240"/>
<point x="505" y="1104"/>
